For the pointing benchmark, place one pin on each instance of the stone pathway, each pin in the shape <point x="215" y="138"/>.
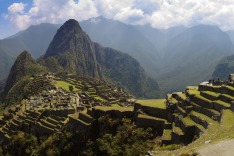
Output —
<point x="222" y="148"/>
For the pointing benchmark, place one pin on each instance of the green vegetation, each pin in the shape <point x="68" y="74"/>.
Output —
<point x="178" y="130"/>
<point x="115" y="105"/>
<point x="119" y="137"/>
<point x="106" y="108"/>
<point x="158" y="103"/>
<point x="65" y="85"/>
<point x="99" y="98"/>
<point x="167" y="134"/>
<point x="223" y="103"/>
<point x="193" y="92"/>
<point x="214" y="94"/>
<point x="149" y="117"/>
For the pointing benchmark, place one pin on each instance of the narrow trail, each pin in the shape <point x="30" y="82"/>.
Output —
<point x="222" y="148"/>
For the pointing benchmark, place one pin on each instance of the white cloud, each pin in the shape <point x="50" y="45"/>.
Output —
<point x="52" y="11"/>
<point x="158" y="13"/>
<point x="17" y="7"/>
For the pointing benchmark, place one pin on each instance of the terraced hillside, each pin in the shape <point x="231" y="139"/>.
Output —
<point x="51" y="101"/>
<point x="199" y="115"/>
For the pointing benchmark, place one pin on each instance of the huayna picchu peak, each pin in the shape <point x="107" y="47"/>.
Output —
<point x="73" y="51"/>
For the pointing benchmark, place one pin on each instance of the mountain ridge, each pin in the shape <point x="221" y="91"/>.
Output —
<point x="73" y="50"/>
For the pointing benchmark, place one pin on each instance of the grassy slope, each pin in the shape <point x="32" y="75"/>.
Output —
<point x="159" y="103"/>
<point x="65" y="85"/>
<point x="215" y="133"/>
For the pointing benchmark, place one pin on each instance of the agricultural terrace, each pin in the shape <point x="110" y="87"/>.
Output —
<point x="158" y="103"/>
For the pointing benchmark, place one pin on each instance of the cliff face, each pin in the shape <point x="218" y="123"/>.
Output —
<point x="72" y="51"/>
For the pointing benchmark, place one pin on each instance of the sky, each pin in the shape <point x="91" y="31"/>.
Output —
<point x="16" y="15"/>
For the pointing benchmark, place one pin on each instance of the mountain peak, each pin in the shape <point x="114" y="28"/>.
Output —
<point x="24" y="65"/>
<point x="71" y="25"/>
<point x="68" y="35"/>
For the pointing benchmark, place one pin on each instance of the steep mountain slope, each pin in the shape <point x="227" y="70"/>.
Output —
<point x="74" y="52"/>
<point x="23" y="66"/>
<point x="35" y="39"/>
<point x="125" y="38"/>
<point x="224" y="67"/>
<point x="192" y="55"/>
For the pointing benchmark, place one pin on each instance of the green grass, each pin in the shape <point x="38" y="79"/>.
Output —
<point x="223" y="103"/>
<point x="228" y="96"/>
<point x="216" y="132"/>
<point x="115" y="105"/>
<point x="204" y="117"/>
<point x="150" y="117"/>
<point x="211" y="93"/>
<point x="203" y="98"/>
<point x="229" y="87"/>
<point x="167" y="134"/>
<point x="65" y="85"/>
<point x="178" y="130"/>
<point x="99" y="98"/>
<point x="188" y="121"/>
<point x="182" y="96"/>
<point x="158" y="103"/>
<point x="193" y="92"/>
<point x="106" y="108"/>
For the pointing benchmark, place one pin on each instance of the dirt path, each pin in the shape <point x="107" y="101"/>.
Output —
<point x="222" y="148"/>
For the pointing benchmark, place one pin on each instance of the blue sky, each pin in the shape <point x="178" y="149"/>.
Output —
<point x="16" y="15"/>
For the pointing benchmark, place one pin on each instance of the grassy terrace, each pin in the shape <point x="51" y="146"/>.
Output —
<point x="189" y="122"/>
<point x="115" y="105"/>
<point x="201" y="97"/>
<point x="211" y="93"/>
<point x="167" y="134"/>
<point x="228" y="96"/>
<point x="216" y="132"/>
<point x="99" y="98"/>
<point x="182" y="96"/>
<point x="223" y="103"/>
<point x="177" y="130"/>
<point x="202" y="116"/>
<point x="106" y="108"/>
<point x="65" y="85"/>
<point x="229" y="87"/>
<point x="150" y="117"/>
<point x="193" y="92"/>
<point x="158" y="103"/>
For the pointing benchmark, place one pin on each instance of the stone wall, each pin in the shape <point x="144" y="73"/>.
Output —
<point x="152" y="111"/>
<point x="156" y="124"/>
<point x="96" y="113"/>
<point x="60" y="112"/>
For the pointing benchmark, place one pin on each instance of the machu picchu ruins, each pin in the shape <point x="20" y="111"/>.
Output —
<point x="75" y="103"/>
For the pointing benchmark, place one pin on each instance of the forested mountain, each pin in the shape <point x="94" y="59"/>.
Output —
<point x="126" y="38"/>
<point x="74" y="52"/>
<point x="192" y="55"/>
<point x="24" y="66"/>
<point x="224" y="67"/>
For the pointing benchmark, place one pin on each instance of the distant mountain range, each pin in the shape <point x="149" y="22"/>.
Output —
<point x="35" y="39"/>
<point x="183" y="55"/>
